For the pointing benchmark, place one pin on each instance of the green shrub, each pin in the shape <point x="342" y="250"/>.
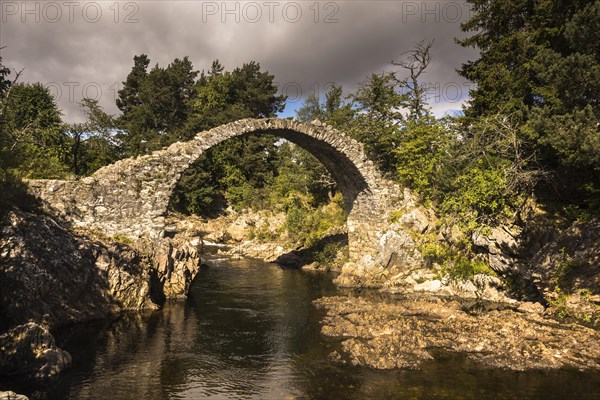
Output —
<point x="122" y="239"/>
<point x="263" y="234"/>
<point x="461" y="267"/>
<point x="328" y="254"/>
<point x="478" y="196"/>
<point x="562" y="275"/>
<point x="420" y="155"/>
<point x="306" y="225"/>
<point x="453" y="262"/>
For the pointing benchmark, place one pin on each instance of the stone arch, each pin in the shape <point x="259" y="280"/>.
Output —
<point x="342" y="156"/>
<point x="130" y="197"/>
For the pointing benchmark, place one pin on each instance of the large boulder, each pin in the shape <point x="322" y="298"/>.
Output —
<point x="47" y="272"/>
<point x="176" y="262"/>
<point x="500" y="248"/>
<point x="29" y="351"/>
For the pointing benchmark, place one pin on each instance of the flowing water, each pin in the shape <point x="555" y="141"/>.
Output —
<point x="249" y="331"/>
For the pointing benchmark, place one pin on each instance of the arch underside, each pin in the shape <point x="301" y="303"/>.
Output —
<point x="346" y="175"/>
<point x="344" y="172"/>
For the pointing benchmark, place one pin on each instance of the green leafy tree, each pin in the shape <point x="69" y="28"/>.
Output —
<point x="335" y="110"/>
<point x="539" y="64"/>
<point x="376" y="122"/>
<point x="421" y="155"/>
<point x="94" y="142"/>
<point x="32" y="126"/>
<point x="224" y="96"/>
<point x="129" y="95"/>
<point x="156" y="105"/>
<point x="236" y="169"/>
<point x="311" y="109"/>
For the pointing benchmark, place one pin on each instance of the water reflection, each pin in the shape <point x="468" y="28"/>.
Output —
<point x="249" y="331"/>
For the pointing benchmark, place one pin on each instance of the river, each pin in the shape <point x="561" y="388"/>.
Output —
<point x="249" y="331"/>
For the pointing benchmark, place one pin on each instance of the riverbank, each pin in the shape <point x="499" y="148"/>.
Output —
<point x="51" y="277"/>
<point x="388" y="334"/>
<point x="249" y="329"/>
<point x="262" y="235"/>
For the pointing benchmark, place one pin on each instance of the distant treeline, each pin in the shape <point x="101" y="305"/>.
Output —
<point x="531" y="129"/>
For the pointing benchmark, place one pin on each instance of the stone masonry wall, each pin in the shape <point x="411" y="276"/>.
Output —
<point x="130" y="197"/>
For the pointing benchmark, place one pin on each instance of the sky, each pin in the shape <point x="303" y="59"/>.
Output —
<point x="86" y="48"/>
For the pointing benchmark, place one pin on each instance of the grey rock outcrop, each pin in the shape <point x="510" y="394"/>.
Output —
<point x="47" y="272"/>
<point x="29" y="350"/>
<point x="50" y="274"/>
<point x="573" y="257"/>
<point x="176" y="261"/>
<point x="500" y="248"/>
<point x="566" y="272"/>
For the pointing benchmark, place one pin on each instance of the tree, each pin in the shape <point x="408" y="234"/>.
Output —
<point x="13" y="192"/>
<point x="377" y="106"/>
<point x="235" y="169"/>
<point x="415" y="64"/>
<point x="33" y="127"/>
<point x="421" y="156"/>
<point x="216" y="68"/>
<point x="129" y="95"/>
<point x="488" y="173"/>
<point x="5" y="140"/>
<point x="311" y="109"/>
<point x="94" y="143"/>
<point x="539" y="64"/>
<point x="223" y="97"/>
<point x="336" y="111"/>
<point x="155" y="104"/>
<point x="378" y="99"/>
<point x="4" y="81"/>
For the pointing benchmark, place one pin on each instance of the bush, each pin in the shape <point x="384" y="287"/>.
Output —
<point x="461" y="267"/>
<point x="306" y="225"/>
<point x="479" y="196"/>
<point x="420" y="156"/>
<point x="328" y="254"/>
<point x="453" y="262"/>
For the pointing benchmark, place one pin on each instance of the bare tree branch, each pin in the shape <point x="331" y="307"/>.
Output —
<point x="416" y="62"/>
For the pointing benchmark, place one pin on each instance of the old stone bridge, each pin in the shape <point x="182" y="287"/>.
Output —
<point x="130" y="197"/>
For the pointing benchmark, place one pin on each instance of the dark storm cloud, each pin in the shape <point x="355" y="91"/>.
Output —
<point x="81" y="48"/>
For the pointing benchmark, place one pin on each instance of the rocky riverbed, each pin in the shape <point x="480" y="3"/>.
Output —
<point x="260" y="235"/>
<point x="51" y="276"/>
<point x="387" y="334"/>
